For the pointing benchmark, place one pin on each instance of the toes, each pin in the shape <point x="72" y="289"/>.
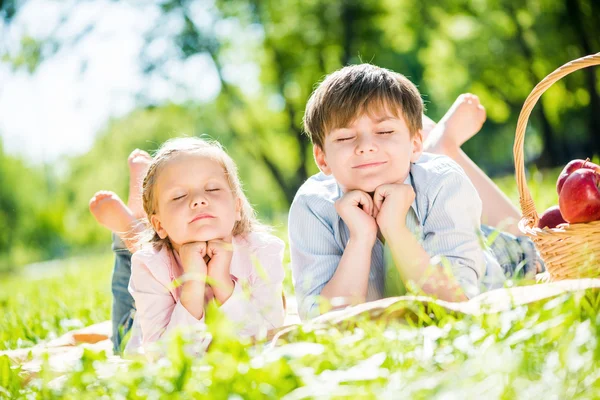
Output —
<point x="471" y="98"/>
<point x="138" y="155"/>
<point x="145" y="154"/>
<point x="101" y="195"/>
<point x="133" y="154"/>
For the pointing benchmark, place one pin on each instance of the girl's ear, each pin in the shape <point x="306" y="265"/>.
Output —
<point x="417" y="146"/>
<point x="158" y="228"/>
<point x="238" y="209"/>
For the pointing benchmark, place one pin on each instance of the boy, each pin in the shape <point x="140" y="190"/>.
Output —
<point x="377" y="188"/>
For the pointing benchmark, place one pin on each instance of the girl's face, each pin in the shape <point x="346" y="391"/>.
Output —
<point x="194" y="201"/>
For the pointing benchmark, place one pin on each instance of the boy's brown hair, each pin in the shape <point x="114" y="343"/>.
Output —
<point x="357" y="89"/>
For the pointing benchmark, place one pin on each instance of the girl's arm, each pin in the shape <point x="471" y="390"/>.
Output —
<point x="257" y="304"/>
<point x="157" y="312"/>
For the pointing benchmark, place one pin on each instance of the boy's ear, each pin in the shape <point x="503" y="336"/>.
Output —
<point x="417" y="146"/>
<point x="321" y="160"/>
<point x="157" y="225"/>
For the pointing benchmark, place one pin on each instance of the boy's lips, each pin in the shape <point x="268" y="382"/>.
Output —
<point x="201" y="216"/>
<point x="369" y="164"/>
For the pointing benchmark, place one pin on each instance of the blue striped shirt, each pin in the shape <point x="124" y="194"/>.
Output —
<point x="445" y="217"/>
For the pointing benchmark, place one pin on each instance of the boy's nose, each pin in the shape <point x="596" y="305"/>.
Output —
<point x="365" y="144"/>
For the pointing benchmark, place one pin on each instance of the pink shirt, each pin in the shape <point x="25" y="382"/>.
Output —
<point x="256" y="302"/>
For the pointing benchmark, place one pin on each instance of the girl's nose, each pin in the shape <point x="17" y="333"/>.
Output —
<point x="199" y="201"/>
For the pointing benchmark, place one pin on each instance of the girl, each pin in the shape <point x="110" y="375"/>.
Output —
<point x="203" y="241"/>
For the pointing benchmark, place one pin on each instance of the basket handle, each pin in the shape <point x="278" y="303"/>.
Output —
<point x="527" y="206"/>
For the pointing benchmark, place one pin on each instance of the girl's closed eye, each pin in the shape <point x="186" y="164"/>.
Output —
<point x="178" y="197"/>
<point x="343" y="139"/>
<point x="385" y="132"/>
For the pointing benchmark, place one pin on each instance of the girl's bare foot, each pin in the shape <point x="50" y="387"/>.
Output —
<point x="139" y="162"/>
<point x="110" y="211"/>
<point x="460" y="123"/>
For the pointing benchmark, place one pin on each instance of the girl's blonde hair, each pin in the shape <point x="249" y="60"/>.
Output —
<point x="208" y="148"/>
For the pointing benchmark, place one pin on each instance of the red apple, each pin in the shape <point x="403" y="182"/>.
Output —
<point x="572" y="167"/>
<point x="579" y="199"/>
<point x="551" y="218"/>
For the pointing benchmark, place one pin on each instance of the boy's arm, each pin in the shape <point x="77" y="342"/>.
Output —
<point x="320" y="266"/>
<point x="451" y="231"/>
<point x="414" y="265"/>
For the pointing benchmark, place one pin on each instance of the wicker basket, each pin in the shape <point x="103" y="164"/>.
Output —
<point x="569" y="251"/>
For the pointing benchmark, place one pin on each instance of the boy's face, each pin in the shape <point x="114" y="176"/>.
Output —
<point x="373" y="150"/>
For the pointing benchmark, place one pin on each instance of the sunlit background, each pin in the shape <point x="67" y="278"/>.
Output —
<point x="82" y="83"/>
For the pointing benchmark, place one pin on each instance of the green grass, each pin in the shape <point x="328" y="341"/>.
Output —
<point x="46" y="301"/>
<point x="542" y="186"/>
<point x="549" y="349"/>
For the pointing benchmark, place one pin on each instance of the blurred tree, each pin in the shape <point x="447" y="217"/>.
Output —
<point x="268" y="55"/>
<point x="497" y="48"/>
<point x="31" y="215"/>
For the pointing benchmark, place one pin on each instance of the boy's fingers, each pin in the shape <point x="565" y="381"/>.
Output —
<point x="365" y="201"/>
<point x="379" y="196"/>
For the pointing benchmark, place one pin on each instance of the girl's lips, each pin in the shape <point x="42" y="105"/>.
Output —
<point x="369" y="165"/>
<point x="201" y="216"/>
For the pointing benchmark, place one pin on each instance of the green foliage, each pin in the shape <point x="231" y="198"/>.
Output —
<point x="269" y="55"/>
<point x="28" y="57"/>
<point x="30" y="214"/>
<point x="541" y="184"/>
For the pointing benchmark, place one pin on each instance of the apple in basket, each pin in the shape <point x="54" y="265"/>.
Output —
<point x="551" y="218"/>
<point x="572" y="167"/>
<point x="579" y="198"/>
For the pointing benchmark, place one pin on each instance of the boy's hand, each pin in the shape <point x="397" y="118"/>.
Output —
<point x="356" y="210"/>
<point x="192" y="257"/>
<point x="392" y="203"/>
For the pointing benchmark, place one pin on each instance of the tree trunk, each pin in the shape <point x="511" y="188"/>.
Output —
<point x="577" y="22"/>
<point x="348" y="17"/>
<point x="551" y="155"/>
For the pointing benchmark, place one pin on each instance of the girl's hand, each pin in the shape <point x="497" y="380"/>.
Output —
<point x="220" y="252"/>
<point x="392" y="203"/>
<point x="192" y="257"/>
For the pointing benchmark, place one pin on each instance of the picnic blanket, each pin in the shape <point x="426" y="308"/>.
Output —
<point x="65" y="351"/>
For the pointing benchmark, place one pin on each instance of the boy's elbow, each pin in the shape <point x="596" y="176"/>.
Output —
<point x="308" y="309"/>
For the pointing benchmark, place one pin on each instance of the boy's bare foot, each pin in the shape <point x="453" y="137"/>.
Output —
<point x="139" y="162"/>
<point x="110" y="211"/>
<point x="460" y="123"/>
